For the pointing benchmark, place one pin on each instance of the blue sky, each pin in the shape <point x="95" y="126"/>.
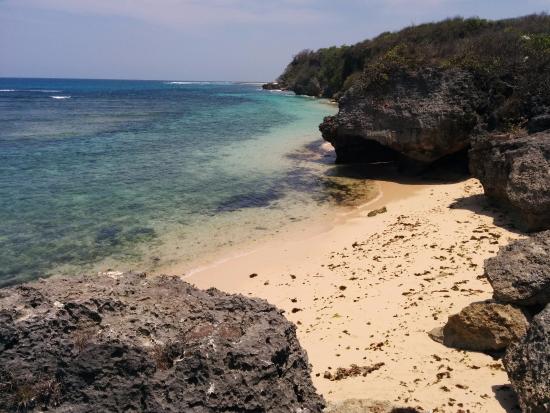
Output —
<point x="204" y="39"/>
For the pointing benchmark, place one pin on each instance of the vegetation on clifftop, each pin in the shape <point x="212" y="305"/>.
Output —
<point x="504" y="49"/>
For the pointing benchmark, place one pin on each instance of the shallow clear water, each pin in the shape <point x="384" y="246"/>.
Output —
<point x="136" y="173"/>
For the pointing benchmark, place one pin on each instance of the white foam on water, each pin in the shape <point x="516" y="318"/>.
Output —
<point x="60" y="97"/>
<point x="282" y="92"/>
<point x="32" y="90"/>
<point x="44" y="90"/>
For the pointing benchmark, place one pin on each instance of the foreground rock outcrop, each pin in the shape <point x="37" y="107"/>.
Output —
<point x="515" y="174"/>
<point x="520" y="273"/>
<point x="419" y="116"/>
<point x="484" y="326"/>
<point x="528" y="365"/>
<point x="127" y="342"/>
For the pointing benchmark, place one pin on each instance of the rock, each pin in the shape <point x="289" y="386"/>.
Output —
<point x="271" y="86"/>
<point x="150" y="344"/>
<point x="308" y="86"/>
<point x="436" y="334"/>
<point x="353" y="371"/>
<point x="515" y="174"/>
<point x="375" y="212"/>
<point x="528" y="365"/>
<point x="485" y="326"/>
<point x="366" y="406"/>
<point x="539" y="123"/>
<point x="415" y="116"/>
<point x="520" y="273"/>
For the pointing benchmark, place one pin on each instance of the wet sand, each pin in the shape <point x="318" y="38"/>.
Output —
<point x="366" y="290"/>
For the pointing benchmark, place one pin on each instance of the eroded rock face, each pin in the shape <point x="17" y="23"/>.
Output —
<point x="420" y="116"/>
<point x="308" y="86"/>
<point x="528" y="365"/>
<point x="520" y="273"/>
<point x="485" y="326"/>
<point x="515" y="174"/>
<point x="128" y="342"/>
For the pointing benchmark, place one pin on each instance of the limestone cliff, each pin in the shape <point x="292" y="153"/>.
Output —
<point x="420" y="94"/>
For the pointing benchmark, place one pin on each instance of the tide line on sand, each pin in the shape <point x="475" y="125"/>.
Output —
<point x="292" y="237"/>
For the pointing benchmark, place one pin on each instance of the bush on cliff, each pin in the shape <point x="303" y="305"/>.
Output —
<point x="504" y="49"/>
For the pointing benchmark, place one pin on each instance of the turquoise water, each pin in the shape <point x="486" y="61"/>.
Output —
<point x="134" y="174"/>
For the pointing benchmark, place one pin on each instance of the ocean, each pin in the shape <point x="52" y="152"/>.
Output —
<point x="131" y="175"/>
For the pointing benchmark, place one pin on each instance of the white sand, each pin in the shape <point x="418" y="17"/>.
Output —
<point x="367" y="291"/>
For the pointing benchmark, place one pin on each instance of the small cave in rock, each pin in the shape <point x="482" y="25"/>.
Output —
<point x="452" y="166"/>
<point x="371" y="152"/>
<point x="365" y="151"/>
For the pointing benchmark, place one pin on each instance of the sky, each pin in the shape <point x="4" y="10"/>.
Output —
<point x="240" y="40"/>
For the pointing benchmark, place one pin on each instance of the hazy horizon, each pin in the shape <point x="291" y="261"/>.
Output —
<point x="209" y="40"/>
<point x="133" y="79"/>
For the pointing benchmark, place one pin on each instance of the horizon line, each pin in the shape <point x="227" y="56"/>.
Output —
<point x="131" y="79"/>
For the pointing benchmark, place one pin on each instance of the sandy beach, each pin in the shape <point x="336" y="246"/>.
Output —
<point x="367" y="291"/>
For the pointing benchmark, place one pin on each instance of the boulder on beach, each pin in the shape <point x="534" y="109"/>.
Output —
<point x="128" y="342"/>
<point x="520" y="273"/>
<point x="515" y="174"/>
<point x="484" y="326"/>
<point x="528" y="365"/>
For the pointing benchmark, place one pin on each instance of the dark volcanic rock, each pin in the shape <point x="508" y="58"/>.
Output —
<point x="485" y="326"/>
<point x="418" y="116"/>
<point x="308" y="86"/>
<point x="520" y="273"/>
<point x="515" y="174"/>
<point x="271" y="86"/>
<point x="539" y="123"/>
<point x="133" y="343"/>
<point x="528" y="365"/>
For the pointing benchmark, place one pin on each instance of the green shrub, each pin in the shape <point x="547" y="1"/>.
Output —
<point x="508" y="48"/>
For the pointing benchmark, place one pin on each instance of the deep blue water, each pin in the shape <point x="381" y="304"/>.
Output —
<point x="102" y="171"/>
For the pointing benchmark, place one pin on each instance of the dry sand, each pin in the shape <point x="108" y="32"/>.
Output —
<point x="367" y="291"/>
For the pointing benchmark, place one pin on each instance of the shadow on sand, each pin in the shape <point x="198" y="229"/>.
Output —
<point x="481" y="205"/>
<point x="442" y="175"/>
<point x="507" y="398"/>
<point x="389" y="171"/>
